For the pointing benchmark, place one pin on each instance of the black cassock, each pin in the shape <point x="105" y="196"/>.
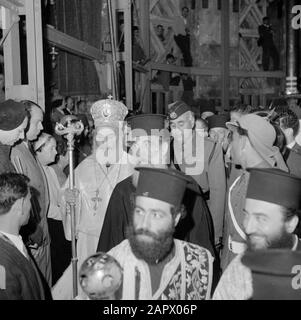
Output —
<point x="196" y="227"/>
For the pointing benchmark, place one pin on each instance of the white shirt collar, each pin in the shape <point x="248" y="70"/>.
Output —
<point x="291" y="145"/>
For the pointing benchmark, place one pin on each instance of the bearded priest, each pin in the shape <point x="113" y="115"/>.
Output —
<point x="95" y="179"/>
<point x="156" y="266"/>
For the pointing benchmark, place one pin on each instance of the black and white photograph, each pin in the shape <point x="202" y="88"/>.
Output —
<point x="150" y="150"/>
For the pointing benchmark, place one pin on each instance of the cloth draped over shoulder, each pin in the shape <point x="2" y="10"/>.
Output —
<point x="19" y="277"/>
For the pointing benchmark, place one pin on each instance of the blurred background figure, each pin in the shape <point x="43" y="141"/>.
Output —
<point x="138" y="52"/>
<point x="266" y="41"/>
<point x="69" y="106"/>
<point x="160" y="32"/>
<point x="218" y="130"/>
<point x="188" y="85"/>
<point x="60" y="248"/>
<point x="66" y="107"/>
<point x="62" y="160"/>
<point x="207" y="108"/>
<point x="182" y="26"/>
<point x="84" y="141"/>
<point x="82" y="107"/>
<point x="201" y="126"/>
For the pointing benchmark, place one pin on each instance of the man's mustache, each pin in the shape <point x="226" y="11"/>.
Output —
<point x="146" y="233"/>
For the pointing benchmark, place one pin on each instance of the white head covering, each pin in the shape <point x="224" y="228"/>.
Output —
<point x="262" y="136"/>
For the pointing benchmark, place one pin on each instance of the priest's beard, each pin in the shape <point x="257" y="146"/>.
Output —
<point x="152" y="251"/>
<point x="282" y="240"/>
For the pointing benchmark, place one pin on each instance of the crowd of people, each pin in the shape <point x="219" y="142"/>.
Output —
<point x="190" y="206"/>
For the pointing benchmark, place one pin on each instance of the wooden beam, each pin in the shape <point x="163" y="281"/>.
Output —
<point x="166" y="22"/>
<point x="243" y="14"/>
<point x="217" y="72"/>
<point x="12" y="5"/>
<point x="152" y="4"/>
<point x="145" y="33"/>
<point x="249" y="33"/>
<point x="31" y="45"/>
<point x="245" y="51"/>
<point x="257" y="74"/>
<point x="11" y="50"/>
<point x="180" y="69"/>
<point x="38" y="34"/>
<point x="225" y="34"/>
<point x="263" y="91"/>
<point x="128" y="24"/>
<point x="72" y="45"/>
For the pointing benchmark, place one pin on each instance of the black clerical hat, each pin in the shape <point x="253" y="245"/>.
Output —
<point x="275" y="186"/>
<point x="206" y="105"/>
<point x="162" y="184"/>
<point x="218" y="121"/>
<point x="12" y="114"/>
<point x="275" y="274"/>
<point x="147" y="124"/>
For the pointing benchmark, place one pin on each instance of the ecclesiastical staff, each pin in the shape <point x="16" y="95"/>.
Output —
<point x="69" y="127"/>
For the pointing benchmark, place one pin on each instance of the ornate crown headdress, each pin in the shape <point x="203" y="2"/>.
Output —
<point x="108" y="111"/>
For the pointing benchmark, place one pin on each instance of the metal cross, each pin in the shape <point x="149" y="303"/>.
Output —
<point x="96" y="199"/>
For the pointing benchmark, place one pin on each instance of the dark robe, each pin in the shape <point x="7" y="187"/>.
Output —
<point x="117" y="216"/>
<point x="196" y="227"/>
<point x="5" y="164"/>
<point x="19" y="277"/>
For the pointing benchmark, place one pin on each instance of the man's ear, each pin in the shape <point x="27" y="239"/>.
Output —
<point x="177" y="218"/>
<point x="291" y="224"/>
<point x="289" y="132"/>
<point x="17" y="206"/>
<point x="191" y="117"/>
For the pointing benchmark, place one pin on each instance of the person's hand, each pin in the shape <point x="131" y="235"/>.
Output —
<point x="71" y="196"/>
<point x="34" y="246"/>
<point x="35" y="240"/>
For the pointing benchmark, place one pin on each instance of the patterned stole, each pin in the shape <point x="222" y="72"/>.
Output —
<point x="192" y="278"/>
